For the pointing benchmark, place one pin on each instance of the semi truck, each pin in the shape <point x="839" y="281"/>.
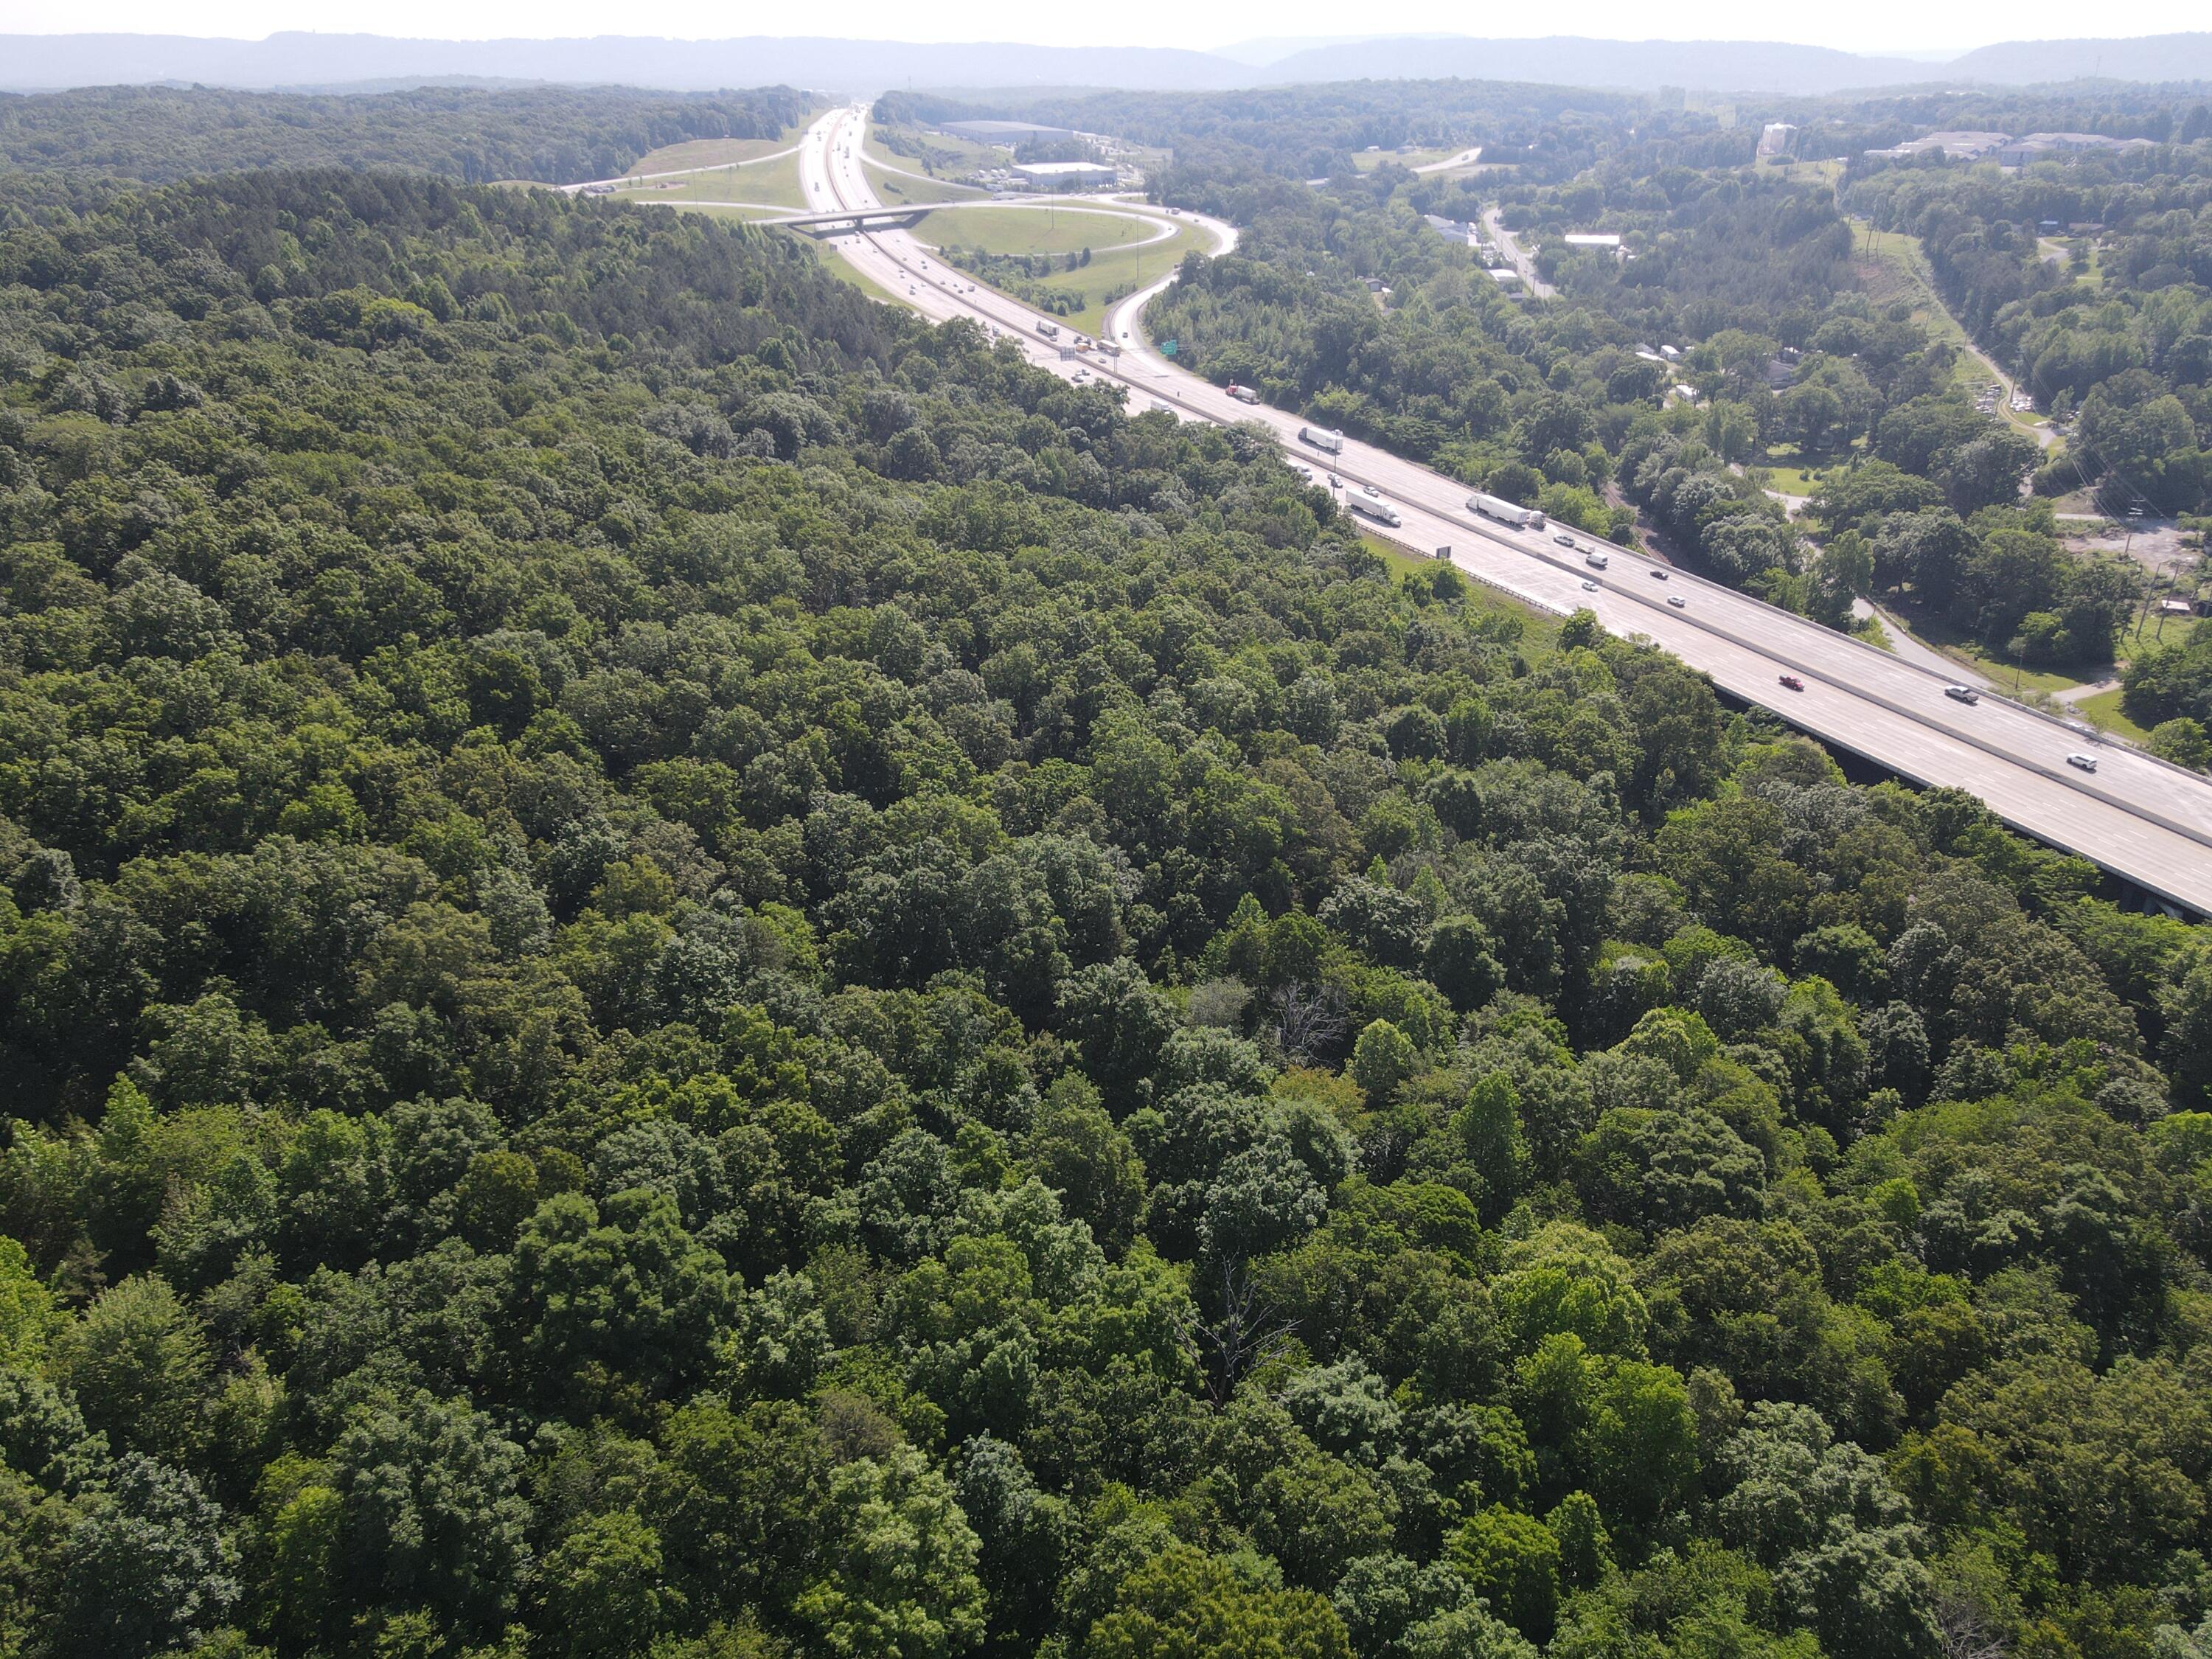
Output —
<point x="1243" y="394"/>
<point x="1372" y="506"/>
<point x="1050" y="331"/>
<point x="1505" y="511"/>
<point x="1322" y="438"/>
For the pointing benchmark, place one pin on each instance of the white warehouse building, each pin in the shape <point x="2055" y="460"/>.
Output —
<point x="1063" y="175"/>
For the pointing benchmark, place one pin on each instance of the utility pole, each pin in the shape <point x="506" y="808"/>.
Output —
<point x="2142" y="617"/>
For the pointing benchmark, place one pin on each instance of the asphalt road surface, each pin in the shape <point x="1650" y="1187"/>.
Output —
<point x="2136" y="817"/>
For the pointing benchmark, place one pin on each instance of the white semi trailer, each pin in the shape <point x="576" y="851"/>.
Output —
<point x="1370" y="506"/>
<point x="1505" y="511"/>
<point x="1322" y="438"/>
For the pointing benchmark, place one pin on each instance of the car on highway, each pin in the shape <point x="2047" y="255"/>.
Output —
<point x="1335" y="483"/>
<point x="2082" y="763"/>
<point x="1678" y="601"/>
<point x="1962" y="693"/>
<point x="1658" y="573"/>
<point x="1596" y="560"/>
<point x="1305" y="472"/>
<point x="1369" y="489"/>
<point x="1793" y="683"/>
<point x="1564" y="541"/>
<point x="1589" y="586"/>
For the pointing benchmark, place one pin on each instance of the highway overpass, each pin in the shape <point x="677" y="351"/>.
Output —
<point x="814" y="224"/>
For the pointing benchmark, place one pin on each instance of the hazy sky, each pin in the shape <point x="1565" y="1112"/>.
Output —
<point x="1866" y="25"/>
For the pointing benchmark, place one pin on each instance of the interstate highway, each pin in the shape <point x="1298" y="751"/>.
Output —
<point x="2143" y="820"/>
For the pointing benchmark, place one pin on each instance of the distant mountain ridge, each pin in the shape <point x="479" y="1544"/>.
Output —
<point x="295" y="60"/>
<point x="1566" y="60"/>
<point x="2153" y="58"/>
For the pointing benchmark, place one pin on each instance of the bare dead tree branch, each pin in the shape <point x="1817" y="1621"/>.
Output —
<point x="1308" y="1018"/>
<point x="1246" y="1335"/>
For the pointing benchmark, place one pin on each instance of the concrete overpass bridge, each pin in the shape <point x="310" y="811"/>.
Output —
<point x="837" y="224"/>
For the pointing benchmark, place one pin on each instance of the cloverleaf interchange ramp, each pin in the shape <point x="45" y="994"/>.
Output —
<point x="2144" y="821"/>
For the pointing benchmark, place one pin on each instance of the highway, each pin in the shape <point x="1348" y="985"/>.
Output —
<point x="2138" y="818"/>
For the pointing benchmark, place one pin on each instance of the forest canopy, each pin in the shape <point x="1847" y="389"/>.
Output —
<point x="552" y="135"/>
<point x="689" y="971"/>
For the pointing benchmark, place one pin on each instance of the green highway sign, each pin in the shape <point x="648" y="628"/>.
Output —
<point x="1166" y="348"/>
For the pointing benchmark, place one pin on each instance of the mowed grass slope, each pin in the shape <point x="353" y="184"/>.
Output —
<point x="715" y="152"/>
<point x="1056" y="230"/>
<point x="947" y="153"/>
<point x="1366" y="162"/>
<point x="774" y="183"/>
<point x="1113" y="272"/>
<point x="907" y="190"/>
<point x="2104" y="711"/>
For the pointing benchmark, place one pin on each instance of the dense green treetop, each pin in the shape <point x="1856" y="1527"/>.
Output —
<point x="556" y="135"/>
<point x="689" y="970"/>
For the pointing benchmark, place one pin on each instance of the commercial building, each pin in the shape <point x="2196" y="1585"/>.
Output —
<point x="1958" y="146"/>
<point x="2045" y="146"/>
<point x="1065" y="175"/>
